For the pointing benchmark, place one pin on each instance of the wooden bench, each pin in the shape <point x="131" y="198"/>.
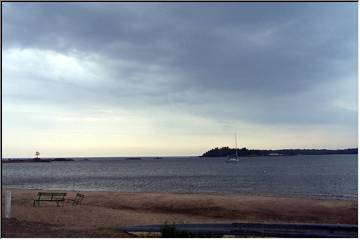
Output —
<point x="50" y="197"/>
<point x="77" y="200"/>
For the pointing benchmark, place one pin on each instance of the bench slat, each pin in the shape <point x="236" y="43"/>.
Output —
<point x="51" y="194"/>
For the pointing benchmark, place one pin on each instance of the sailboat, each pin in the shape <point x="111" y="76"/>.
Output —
<point x="236" y="157"/>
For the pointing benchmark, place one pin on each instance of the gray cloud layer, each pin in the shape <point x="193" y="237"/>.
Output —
<point x="258" y="62"/>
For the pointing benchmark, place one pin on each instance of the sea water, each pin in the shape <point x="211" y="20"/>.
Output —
<point x="321" y="176"/>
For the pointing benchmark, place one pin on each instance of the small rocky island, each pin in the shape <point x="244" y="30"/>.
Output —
<point x="226" y="151"/>
<point x="27" y="160"/>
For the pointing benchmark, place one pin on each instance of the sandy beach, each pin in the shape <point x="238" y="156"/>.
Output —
<point x="107" y="210"/>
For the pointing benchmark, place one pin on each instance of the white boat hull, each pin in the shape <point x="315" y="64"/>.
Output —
<point x="233" y="160"/>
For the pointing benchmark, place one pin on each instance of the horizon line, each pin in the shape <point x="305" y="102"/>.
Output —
<point x="131" y="156"/>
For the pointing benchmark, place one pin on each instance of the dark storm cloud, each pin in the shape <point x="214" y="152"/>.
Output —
<point x="263" y="59"/>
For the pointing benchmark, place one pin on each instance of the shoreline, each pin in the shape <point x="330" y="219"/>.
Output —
<point x="229" y="194"/>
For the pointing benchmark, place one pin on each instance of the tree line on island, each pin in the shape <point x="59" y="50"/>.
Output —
<point x="226" y="151"/>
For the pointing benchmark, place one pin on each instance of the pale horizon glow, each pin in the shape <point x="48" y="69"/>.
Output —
<point x="119" y="79"/>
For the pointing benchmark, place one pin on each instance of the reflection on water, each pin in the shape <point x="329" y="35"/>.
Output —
<point x="326" y="176"/>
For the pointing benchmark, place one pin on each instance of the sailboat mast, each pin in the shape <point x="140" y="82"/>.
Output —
<point x="236" y="149"/>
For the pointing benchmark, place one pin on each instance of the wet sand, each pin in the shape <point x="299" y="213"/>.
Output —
<point x="119" y="209"/>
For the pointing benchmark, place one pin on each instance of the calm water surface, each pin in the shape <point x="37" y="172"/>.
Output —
<point x="326" y="176"/>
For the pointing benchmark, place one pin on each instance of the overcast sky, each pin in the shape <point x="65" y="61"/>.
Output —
<point x="125" y="79"/>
